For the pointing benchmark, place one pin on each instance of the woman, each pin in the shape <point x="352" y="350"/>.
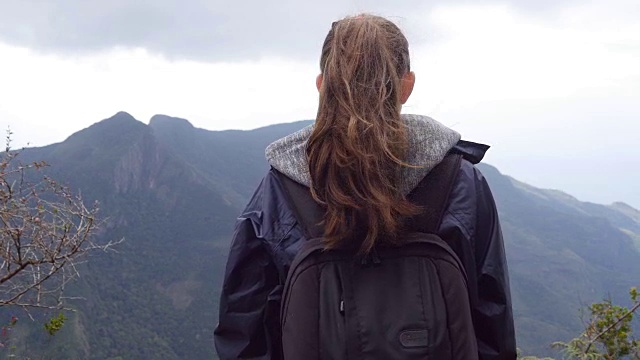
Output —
<point x="360" y="159"/>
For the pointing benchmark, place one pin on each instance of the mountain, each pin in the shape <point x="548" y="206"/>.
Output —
<point x="562" y="254"/>
<point x="173" y="191"/>
<point x="232" y="160"/>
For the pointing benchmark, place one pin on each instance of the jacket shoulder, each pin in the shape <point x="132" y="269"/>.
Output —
<point x="470" y="151"/>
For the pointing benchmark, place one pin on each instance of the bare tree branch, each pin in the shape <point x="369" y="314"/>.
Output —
<point x="45" y="231"/>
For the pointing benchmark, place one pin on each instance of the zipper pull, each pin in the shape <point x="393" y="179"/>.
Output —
<point x="371" y="259"/>
<point x="341" y="306"/>
<point x="375" y="258"/>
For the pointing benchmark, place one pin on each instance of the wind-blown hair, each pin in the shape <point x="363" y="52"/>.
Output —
<point x="359" y="141"/>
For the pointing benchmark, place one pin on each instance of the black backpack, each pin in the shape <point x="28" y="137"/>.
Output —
<point x="404" y="302"/>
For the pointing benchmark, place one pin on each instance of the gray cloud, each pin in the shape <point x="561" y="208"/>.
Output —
<point x="211" y="30"/>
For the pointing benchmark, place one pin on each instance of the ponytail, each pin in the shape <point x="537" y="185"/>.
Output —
<point x="359" y="141"/>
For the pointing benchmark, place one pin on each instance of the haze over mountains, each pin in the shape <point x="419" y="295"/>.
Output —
<point x="173" y="192"/>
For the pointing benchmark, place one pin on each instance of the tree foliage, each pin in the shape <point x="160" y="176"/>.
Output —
<point x="608" y="334"/>
<point x="55" y="324"/>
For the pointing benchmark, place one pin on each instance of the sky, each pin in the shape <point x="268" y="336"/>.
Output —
<point x="552" y="85"/>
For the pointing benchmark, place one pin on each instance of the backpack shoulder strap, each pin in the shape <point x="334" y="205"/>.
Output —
<point x="306" y="210"/>
<point x="432" y="193"/>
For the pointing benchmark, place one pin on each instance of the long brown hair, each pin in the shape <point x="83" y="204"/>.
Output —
<point x="359" y="141"/>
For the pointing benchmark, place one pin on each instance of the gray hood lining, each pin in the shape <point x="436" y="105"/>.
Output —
<point x="429" y="143"/>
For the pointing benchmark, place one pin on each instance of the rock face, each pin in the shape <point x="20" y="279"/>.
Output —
<point x="139" y="167"/>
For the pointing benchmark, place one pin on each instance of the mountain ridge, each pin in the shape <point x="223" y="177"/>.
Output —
<point x="173" y="191"/>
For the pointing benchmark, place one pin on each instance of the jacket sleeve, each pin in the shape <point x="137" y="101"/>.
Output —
<point x="472" y="227"/>
<point x="249" y="302"/>
<point x="493" y="316"/>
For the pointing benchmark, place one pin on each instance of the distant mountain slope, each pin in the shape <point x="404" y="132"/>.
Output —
<point x="154" y="299"/>
<point x="563" y="254"/>
<point x="173" y="192"/>
<point x="236" y="174"/>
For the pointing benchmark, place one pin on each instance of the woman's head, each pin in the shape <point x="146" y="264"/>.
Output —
<point x="359" y="140"/>
<point x="383" y="42"/>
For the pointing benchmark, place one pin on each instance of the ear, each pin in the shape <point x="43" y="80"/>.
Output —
<point x="408" y="80"/>
<point x="319" y="81"/>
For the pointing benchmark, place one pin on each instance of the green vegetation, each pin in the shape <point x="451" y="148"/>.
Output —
<point x="55" y="324"/>
<point x="607" y="334"/>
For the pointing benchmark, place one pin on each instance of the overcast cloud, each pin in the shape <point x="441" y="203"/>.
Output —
<point x="207" y="30"/>
<point x="552" y="86"/>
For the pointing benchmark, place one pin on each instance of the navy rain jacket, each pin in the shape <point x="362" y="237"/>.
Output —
<point x="267" y="237"/>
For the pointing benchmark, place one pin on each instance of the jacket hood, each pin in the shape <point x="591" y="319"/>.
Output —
<point x="429" y="143"/>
